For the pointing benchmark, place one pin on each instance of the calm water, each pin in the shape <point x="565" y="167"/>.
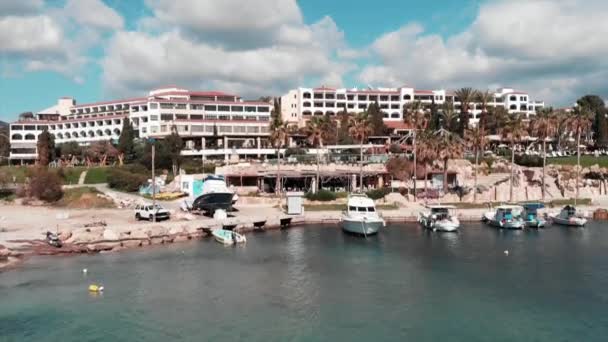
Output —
<point x="316" y="284"/>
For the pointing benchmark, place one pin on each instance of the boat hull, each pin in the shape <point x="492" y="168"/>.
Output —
<point x="362" y="227"/>
<point x="442" y="226"/>
<point x="536" y="224"/>
<point x="227" y="237"/>
<point x="213" y="201"/>
<point x="572" y="222"/>
<point x="506" y="225"/>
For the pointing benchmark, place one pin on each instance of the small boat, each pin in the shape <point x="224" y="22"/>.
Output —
<point x="228" y="237"/>
<point x="439" y="218"/>
<point x="53" y="240"/>
<point x="360" y="216"/>
<point x="569" y="217"/>
<point x="505" y="217"/>
<point x="285" y="222"/>
<point x="215" y="196"/>
<point x="531" y="217"/>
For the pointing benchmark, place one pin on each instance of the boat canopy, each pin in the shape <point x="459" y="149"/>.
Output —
<point x="532" y="207"/>
<point x="360" y="200"/>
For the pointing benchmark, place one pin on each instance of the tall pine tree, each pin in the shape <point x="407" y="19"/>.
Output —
<point x="45" y="147"/>
<point x="126" y="145"/>
<point x="597" y="106"/>
<point x="376" y="120"/>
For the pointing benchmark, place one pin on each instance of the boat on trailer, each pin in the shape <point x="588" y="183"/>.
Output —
<point x="439" y="218"/>
<point x="505" y="217"/>
<point x="568" y="216"/>
<point x="360" y="216"/>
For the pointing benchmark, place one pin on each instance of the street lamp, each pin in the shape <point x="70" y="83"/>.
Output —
<point x="153" y="142"/>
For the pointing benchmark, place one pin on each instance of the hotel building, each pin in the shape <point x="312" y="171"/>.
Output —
<point x="224" y="123"/>
<point x="301" y="104"/>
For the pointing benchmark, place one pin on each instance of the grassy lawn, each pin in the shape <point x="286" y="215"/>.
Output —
<point x="13" y="171"/>
<point x="586" y="161"/>
<point x="340" y="207"/>
<point x="72" y="175"/>
<point x="96" y="175"/>
<point x="83" y="198"/>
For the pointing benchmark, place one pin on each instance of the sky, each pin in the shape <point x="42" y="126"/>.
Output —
<point x="94" y="50"/>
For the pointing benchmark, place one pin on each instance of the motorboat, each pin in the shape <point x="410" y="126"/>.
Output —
<point x="53" y="240"/>
<point x="505" y="217"/>
<point x="214" y="195"/>
<point x="360" y="216"/>
<point x="569" y="217"/>
<point x="438" y="217"/>
<point x="531" y="217"/>
<point x="228" y="237"/>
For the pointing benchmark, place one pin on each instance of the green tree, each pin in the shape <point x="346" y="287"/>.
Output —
<point x="465" y="96"/>
<point x="5" y="146"/>
<point x="376" y="120"/>
<point x="578" y="123"/>
<point x="484" y="98"/>
<point x="316" y="130"/>
<point x="46" y="148"/>
<point x="173" y="146"/>
<point x="544" y="126"/>
<point x="360" y="129"/>
<point x="449" y="118"/>
<point x="476" y="139"/>
<point x="344" y="137"/>
<point x="417" y="118"/>
<point x="435" y="119"/>
<point x="597" y="107"/>
<point x="278" y="137"/>
<point x="514" y="131"/>
<point x="496" y="119"/>
<point x="449" y="146"/>
<point x="126" y="144"/>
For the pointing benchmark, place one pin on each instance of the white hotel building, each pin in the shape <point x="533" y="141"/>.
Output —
<point x="211" y="123"/>
<point x="301" y="104"/>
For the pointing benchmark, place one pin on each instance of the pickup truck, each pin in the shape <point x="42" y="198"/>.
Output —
<point x="147" y="212"/>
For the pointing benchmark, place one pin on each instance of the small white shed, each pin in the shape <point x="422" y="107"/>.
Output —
<point x="295" y="203"/>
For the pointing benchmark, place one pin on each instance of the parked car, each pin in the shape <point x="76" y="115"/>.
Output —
<point x="148" y="212"/>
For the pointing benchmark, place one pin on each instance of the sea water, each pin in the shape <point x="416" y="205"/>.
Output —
<point x="318" y="284"/>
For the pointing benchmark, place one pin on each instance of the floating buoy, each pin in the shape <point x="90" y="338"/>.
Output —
<point x="95" y="288"/>
<point x="506" y="252"/>
<point x="84" y="270"/>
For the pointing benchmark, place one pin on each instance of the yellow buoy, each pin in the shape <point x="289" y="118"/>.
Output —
<point x="95" y="288"/>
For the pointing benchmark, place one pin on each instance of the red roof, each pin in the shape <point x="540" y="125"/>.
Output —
<point x="195" y="93"/>
<point x="371" y="91"/>
<point x="236" y="103"/>
<point x="423" y="92"/>
<point x="110" y="102"/>
<point x="324" y="88"/>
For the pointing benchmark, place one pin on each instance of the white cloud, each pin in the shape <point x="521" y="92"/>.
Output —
<point x="20" y="7"/>
<point x="94" y="13"/>
<point x="25" y="35"/>
<point x="258" y="47"/>
<point x="553" y="49"/>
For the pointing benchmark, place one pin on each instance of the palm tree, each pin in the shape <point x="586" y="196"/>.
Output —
<point x="417" y="118"/>
<point x="465" y="96"/>
<point x="514" y="130"/>
<point x="315" y="130"/>
<point x="484" y="98"/>
<point x="496" y="119"/>
<point x="578" y="123"/>
<point x="427" y="153"/>
<point x="544" y="126"/>
<point x="359" y="128"/>
<point x="449" y="117"/>
<point x="278" y="138"/>
<point x="476" y="139"/>
<point x="449" y="146"/>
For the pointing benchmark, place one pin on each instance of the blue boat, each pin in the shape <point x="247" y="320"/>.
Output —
<point x="531" y="217"/>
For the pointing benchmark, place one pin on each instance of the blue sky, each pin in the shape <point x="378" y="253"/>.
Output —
<point x="103" y="49"/>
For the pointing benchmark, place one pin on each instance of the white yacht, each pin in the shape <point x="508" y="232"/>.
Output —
<point x="360" y="216"/>
<point x="228" y="237"/>
<point x="505" y="217"/>
<point x="438" y="217"/>
<point x="569" y="217"/>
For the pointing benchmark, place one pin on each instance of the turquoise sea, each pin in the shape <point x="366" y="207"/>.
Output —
<point x="317" y="284"/>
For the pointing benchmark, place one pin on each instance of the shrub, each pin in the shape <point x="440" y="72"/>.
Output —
<point x="294" y="151"/>
<point x="192" y="167"/>
<point x="395" y="148"/>
<point x="321" y="195"/>
<point x="125" y="180"/>
<point x="44" y="185"/>
<point x="529" y="161"/>
<point x="379" y="193"/>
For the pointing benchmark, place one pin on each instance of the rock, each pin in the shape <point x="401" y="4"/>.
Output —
<point x="176" y="230"/>
<point x="4" y="253"/>
<point x="110" y="235"/>
<point x="82" y="236"/>
<point x="64" y="234"/>
<point x="181" y="238"/>
<point x="156" y="231"/>
<point x="168" y="239"/>
<point x="135" y="234"/>
<point x="600" y="214"/>
<point x="156" y="240"/>
<point x="131" y="243"/>
<point x="105" y="246"/>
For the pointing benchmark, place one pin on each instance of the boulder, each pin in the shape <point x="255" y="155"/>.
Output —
<point x="131" y="243"/>
<point x="110" y="235"/>
<point x="181" y="238"/>
<point x="83" y="236"/>
<point x="4" y="253"/>
<point x="156" y="240"/>
<point x="105" y="246"/>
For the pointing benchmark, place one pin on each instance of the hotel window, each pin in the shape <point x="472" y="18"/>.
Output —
<point x="350" y="97"/>
<point x="238" y="117"/>
<point x="223" y="108"/>
<point x="225" y="129"/>
<point x="153" y="105"/>
<point x="154" y="129"/>
<point x="108" y="122"/>
<point x="523" y="107"/>
<point x="318" y="104"/>
<point x="253" y="129"/>
<point x="144" y="130"/>
<point x="153" y="117"/>
<point x="362" y="97"/>
<point x="209" y="129"/>
<point x="211" y="117"/>
<point x="306" y="104"/>
<point x="341" y="96"/>
<point x="181" y="106"/>
<point x="384" y="98"/>
<point x="394" y="98"/>
<point x="385" y="115"/>
<point x="362" y="106"/>
<point x="330" y="96"/>
<point x="407" y="97"/>
<point x="263" y="109"/>
<point x="181" y="116"/>
<point x="237" y="108"/>
<point x="253" y="118"/>
<point x="196" y="117"/>
<point x="224" y="117"/>
<point x="513" y="98"/>
<point x="306" y="95"/>
<point x="394" y="106"/>
<point x="211" y="108"/>
<point x="163" y="129"/>
<point x="330" y="104"/>
<point x="522" y="98"/>
<point x="166" y="117"/>
<point x="264" y="118"/>
<point x="166" y="106"/>
<point x="318" y="96"/>
<point x="264" y="129"/>
<point x="42" y="127"/>
<point x="351" y="105"/>
<point x="395" y="115"/>
<point x="306" y="113"/>
<point x="197" y="129"/>
<point x="250" y="109"/>
<point x="513" y="107"/>
<point x="384" y="106"/>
